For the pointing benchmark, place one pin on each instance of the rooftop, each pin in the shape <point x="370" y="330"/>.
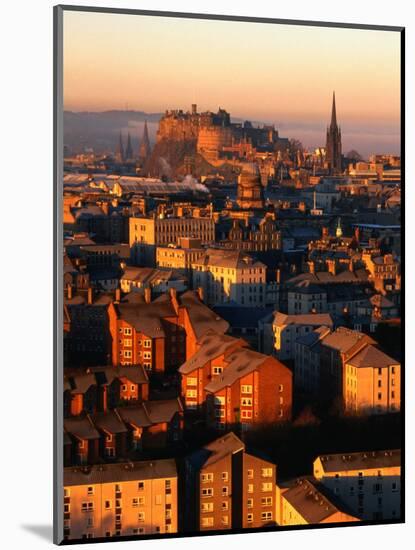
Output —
<point x="361" y="460"/>
<point x="121" y="472"/>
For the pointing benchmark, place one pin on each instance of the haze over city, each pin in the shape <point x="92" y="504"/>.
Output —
<point x="280" y="74"/>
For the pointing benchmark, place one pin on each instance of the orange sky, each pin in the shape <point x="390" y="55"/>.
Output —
<point x="266" y="72"/>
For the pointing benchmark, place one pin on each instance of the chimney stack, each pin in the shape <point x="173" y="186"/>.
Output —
<point x="147" y="295"/>
<point x="278" y="276"/>
<point x="117" y="294"/>
<point x="173" y="293"/>
<point x="69" y="288"/>
<point x="90" y="295"/>
<point x="311" y="267"/>
<point x="324" y="232"/>
<point x="200" y="293"/>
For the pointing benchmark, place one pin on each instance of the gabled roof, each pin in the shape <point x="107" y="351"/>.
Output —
<point x="81" y="427"/>
<point x="372" y="357"/>
<point x="239" y="363"/>
<point x="343" y="339"/>
<point x="107" y="374"/>
<point x="309" y="502"/>
<point x="201" y="317"/>
<point x="312" y="319"/>
<point x="216" y="450"/>
<point x="109" y="421"/>
<point x="211" y="345"/>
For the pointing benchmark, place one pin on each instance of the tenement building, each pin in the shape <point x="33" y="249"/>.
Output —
<point x="369" y="483"/>
<point x="228" y="488"/>
<point x="234" y="385"/>
<point x="146" y="234"/>
<point x="230" y="276"/>
<point x="113" y="500"/>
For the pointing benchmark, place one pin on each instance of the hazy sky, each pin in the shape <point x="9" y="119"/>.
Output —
<point x="273" y="73"/>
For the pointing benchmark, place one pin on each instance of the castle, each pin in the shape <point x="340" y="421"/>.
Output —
<point x="216" y="138"/>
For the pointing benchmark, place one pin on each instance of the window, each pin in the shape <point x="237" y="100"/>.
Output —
<point x="280" y="388"/>
<point x="147" y="343"/>
<point x="266" y="472"/>
<point x="250" y="474"/>
<point x="207" y="522"/>
<point x="246" y="414"/>
<point x="250" y="488"/>
<point x="87" y="506"/>
<point x="141" y="517"/>
<point x="266" y="501"/>
<point x="207" y="507"/>
<point x="265" y="487"/>
<point x="246" y="402"/>
<point x="225" y="505"/>
<point x="127" y="331"/>
<point x="225" y="476"/>
<point x="128" y="342"/>
<point x="207" y="477"/>
<point x="224" y="491"/>
<point x="246" y="389"/>
<point x="140" y="486"/>
<point x="127" y="353"/>
<point x="208" y="492"/>
<point x="266" y="516"/>
<point x="124" y="387"/>
<point x="135" y="502"/>
<point x="192" y="381"/>
<point x="66" y="493"/>
<point x="250" y="503"/>
<point x="250" y="518"/>
<point x="107" y="505"/>
<point x="66" y="508"/>
<point x="225" y="520"/>
<point x="110" y="452"/>
<point x="379" y="396"/>
<point x="191" y="393"/>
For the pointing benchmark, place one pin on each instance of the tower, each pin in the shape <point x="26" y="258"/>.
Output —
<point x="144" y="151"/>
<point x="120" y="150"/>
<point x="129" y="149"/>
<point x="334" y="143"/>
<point x="250" y="192"/>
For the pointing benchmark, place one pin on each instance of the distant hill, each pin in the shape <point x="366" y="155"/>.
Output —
<point x="100" y="130"/>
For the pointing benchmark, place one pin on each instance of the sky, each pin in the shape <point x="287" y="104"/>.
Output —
<point x="282" y="74"/>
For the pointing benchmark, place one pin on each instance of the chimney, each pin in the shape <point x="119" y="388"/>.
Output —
<point x="278" y="276"/>
<point x="147" y="295"/>
<point x="311" y="267"/>
<point x="69" y="289"/>
<point x="324" y="232"/>
<point x="351" y="265"/>
<point x="331" y="266"/>
<point x="90" y="295"/>
<point x="173" y="293"/>
<point x="357" y="234"/>
<point x="200" y="293"/>
<point x="117" y="294"/>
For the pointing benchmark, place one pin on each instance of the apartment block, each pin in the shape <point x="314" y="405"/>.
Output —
<point x="369" y="483"/>
<point x="372" y="383"/>
<point x="228" y="488"/>
<point x="233" y="384"/>
<point x="115" y="500"/>
<point x="230" y="276"/>
<point x="159" y="334"/>
<point x="288" y="328"/>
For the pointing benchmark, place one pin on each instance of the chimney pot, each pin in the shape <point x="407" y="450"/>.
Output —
<point x="147" y="295"/>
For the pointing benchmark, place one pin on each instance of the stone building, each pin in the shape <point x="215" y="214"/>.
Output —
<point x="250" y="190"/>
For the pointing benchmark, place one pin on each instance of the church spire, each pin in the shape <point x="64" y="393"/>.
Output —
<point x="144" y="151"/>
<point x="120" y="149"/>
<point x="333" y="112"/>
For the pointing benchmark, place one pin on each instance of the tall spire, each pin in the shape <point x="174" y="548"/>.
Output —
<point x="120" y="149"/>
<point x="144" y="151"/>
<point x="333" y="112"/>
